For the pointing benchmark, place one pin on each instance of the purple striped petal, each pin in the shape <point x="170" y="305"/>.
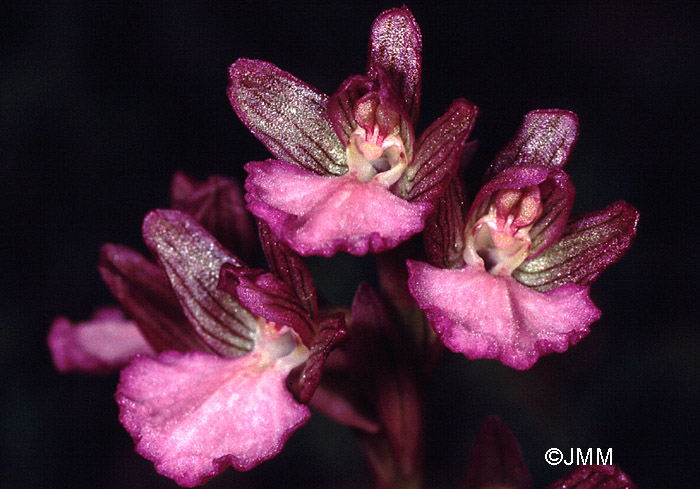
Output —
<point x="192" y="258"/>
<point x="288" y="116"/>
<point x="264" y="294"/>
<point x="289" y="267"/>
<point x="589" y="244"/>
<point x="443" y="237"/>
<point x="438" y="153"/>
<point x="146" y="295"/>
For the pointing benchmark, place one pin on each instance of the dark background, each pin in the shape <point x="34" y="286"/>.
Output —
<point x="102" y="102"/>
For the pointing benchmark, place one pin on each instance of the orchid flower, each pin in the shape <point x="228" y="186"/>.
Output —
<point x="349" y="173"/>
<point x="210" y="387"/>
<point x="512" y="282"/>
<point x="496" y="462"/>
<point x="195" y="411"/>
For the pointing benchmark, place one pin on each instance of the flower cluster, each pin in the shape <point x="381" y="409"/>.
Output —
<point x="220" y="360"/>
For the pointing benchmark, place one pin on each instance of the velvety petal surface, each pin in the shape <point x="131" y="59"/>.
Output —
<point x="192" y="259"/>
<point x="484" y="316"/>
<point x="287" y="115"/>
<point x="318" y="216"/>
<point x="545" y="137"/>
<point x="194" y="414"/>
<point x="589" y="244"/>
<point x="218" y="205"/>
<point x="395" y="46"/>
<point x="104" y="344"/>
<point x="594" y="477"/>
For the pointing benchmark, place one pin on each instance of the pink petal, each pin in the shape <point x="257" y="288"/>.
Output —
<point x="321" y="215"/>
<point x="102" y="345"/>
<point x="483" y="316"/>
<point x="194" y="414"/>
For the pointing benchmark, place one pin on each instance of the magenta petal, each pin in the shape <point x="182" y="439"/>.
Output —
<point x="104" y="344"/>
<point x="395" y="46"/>
<point x="484" y="316"/>
<point x="594" y="477"/>
<point x="287" y="115"/>
<point x="195" y="414"/>
<point x="304" y="380"/>
<point x="319" y="215"/>
<point x="545" y="137"/>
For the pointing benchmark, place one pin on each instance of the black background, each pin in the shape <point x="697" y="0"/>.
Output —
<point x="101" y="102"/>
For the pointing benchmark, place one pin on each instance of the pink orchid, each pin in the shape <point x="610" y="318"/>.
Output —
<point x="194" y="413"/>
<point x="512" y="283"/>
<point x="216" y="342"/>
<point x="349" y="175"/>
